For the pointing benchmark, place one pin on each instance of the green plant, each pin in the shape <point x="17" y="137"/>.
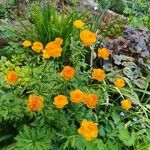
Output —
<point x="137" y="11"/>
<point x="115" y="5"/>
<point x="33" y="139"/>
<point x="3" y="11"/>
<point x="36" y="100"/>
<point x="50" y="24"/>
<point x="11" y="2"/>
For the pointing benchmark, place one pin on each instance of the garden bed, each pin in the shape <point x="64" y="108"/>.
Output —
<point x="68" y="82"/>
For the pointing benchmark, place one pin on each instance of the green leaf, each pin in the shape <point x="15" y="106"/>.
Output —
<point x="148" y="77"/>
<point x="79" y="143"/>
<point x="123" y="134"/>
<point x="100" y="144"/>
<point x="5" y="137"/>
<point x="91" y="146"/>
<point x="102" y="131"/>
<point x="127" y="138"/>
<point x="116" y="117"/>
<point x="33" y="139"/>
<point x="140" y="83"/>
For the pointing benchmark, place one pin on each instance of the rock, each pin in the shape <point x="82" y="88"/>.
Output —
<point x="110" y="14"/>
<point x="3" y="42"/>
<point x="3" y="2"/>
<point x="88" y="4"/>
<point x="18" y="26"/>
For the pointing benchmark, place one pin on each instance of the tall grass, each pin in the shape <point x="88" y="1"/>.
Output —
<point x="49" y="23"/>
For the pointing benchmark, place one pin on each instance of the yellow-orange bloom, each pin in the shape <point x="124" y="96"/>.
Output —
<point x="67" y="73"/>
<point x="126" y="104"/>
<point x="87" y="37"/>
<point x="37" y="47"/>
<point x="35" y="103"/>
<point x="79" y="24"/>
<point x="88" y="129"/>
<point x="52" y="49"/>
<point x="91" y="100"/>
<point x="60" y="101"/>
<point x="58" y="41"/>
<point x="76" y="96"/>
<point x="26" y="43"/>
<point x="98" y="74"/>
<point x="11" y="77"/>
<point x="103" y="53"/>
<point x="119" y="82"/>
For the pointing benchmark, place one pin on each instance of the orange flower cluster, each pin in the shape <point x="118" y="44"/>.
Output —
<point x="60" y="101"/>
<point x="11" y="77"/>
<point x="103" y="53"/>
<point x="79" y="24"/>
<point x="77" y="96"/>
<point x="119" y="82"/>
<point x="126" y="104"/>
<point x="98" y="74"/>
<point x="52" y="49"/>
<point x="35" y="103"/>
<point x="67" y="73"/>
<point x="87" y="37"/>
<point x="88" y="129"/>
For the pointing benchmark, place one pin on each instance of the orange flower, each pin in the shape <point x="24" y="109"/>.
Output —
<point x="45" y="54"/>
<point x="11" y="77"/>
<point x="79" y="24"/>
<point x="67" y="73"/>
<point x="58" y="41"/>
<point x="98" y="74"/>
<point x="37" y="47"/>
<point x="76" y="96"/>
<point x="126" y="104"/>
<point x="35" y="103"/>
<point x="88" y="129"/>
<point x="87" y="37"/>
<point x="60" y="101"/>
<point x="119" y="82"/>
<point x="52" y="49"/>
<point x="90" y="100"/>
<point x="103" y="53"/>
<point x="27" y="43"/>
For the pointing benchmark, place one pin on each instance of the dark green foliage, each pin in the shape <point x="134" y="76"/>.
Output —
<point x="138" y="12"/>
<point x="33" y="139"/>
<point x="50" y="24"/>
<point x="3" y="11"/>
<point x="115" y="5"/>
<point x="57" y="129"/>
<point x="11" y="2"/>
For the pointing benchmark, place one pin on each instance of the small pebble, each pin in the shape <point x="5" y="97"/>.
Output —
<point x="122" y="114"/>
<point x="134" y="119"/>
<point x="95" y="8"/>
<point x="131" y="125"/>
<point x="143" y="125"/>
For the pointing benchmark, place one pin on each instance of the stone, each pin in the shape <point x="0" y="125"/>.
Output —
<point x="88" y="4"/>
<point x="3" y="2"/>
